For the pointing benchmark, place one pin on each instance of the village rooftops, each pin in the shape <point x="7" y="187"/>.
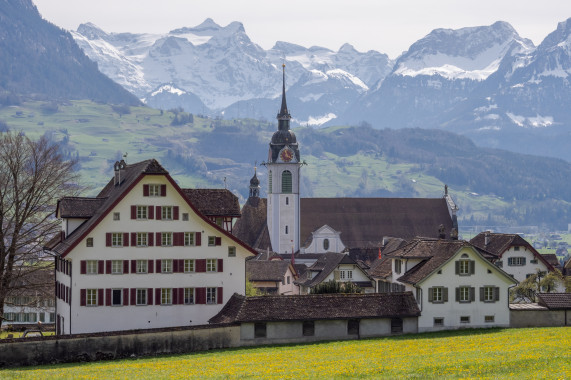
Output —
<point x="325" y="264"/>
<point x="273" y="270"/>
<point x="240" y="309"/>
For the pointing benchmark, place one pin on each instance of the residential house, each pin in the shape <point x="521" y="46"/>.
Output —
<point x="309" y="318"/>
<point x="455" y="284"/>
<point x="272" y="276"/>
<point x="142" y="254"/>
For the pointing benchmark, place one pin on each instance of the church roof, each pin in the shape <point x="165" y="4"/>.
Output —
<point x="251" y="228"/>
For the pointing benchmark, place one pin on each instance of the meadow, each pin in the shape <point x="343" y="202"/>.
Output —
<point x="492" y="353"/>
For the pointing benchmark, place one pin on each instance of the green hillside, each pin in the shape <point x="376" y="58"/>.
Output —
<point x="489" y="185"/>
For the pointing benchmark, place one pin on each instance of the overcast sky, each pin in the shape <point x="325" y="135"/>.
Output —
<point x="388" y="26"/>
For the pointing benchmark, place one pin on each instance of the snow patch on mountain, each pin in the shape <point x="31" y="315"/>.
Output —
<point x="315" y="121"/>
<point x="534" y="121"/>
<point x="168" y="88"/>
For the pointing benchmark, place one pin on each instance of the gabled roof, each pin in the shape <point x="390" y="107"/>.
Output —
<point x="498" y="244"/>
<point x="113" y="193"/>
<point x="325" y="264"/>
<point x="555" y="301"/>
<point x="273" y="270"/>
<point x="214" y="202"/>
<point x="78" y="207"/>
<point x="240" y="309"/>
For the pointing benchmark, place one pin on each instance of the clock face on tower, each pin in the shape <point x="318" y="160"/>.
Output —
<point x="286" y="155"/>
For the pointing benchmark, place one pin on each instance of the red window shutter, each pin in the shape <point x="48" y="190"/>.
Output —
<point x="133" y="266"/>
<point x="159" y="214"/>
<point x="219" y="295"/>
<point x="100" y="297"/>
<point x="175" y="296"/>
<point x="108" y="266"/>
<point x="133" y="296"/>
<point x="107" y="297"/>
<point x="175" y="266"/>
<point x="159" y="242"/>
<point x="133" y="212"/>
<point x="133" y="239"/>
<point x="125" y="297"/>
<point x="83" y="267"/>
<point x="181" y="296"/>
<point x="220" y="265"/>
<point x="201" y="265"/>
<point x="181" y="265"/>
<point x="158" y="266"/>
<point x="82" y="297"/>
<point x="145" y="190"/>
<point x="151" y="212"/>
<point x="175" y="213"/>
<point x="101" y="267"/>
<point x="163" y="190"/>
<point x="150" y="268"/>
<point x="108" y="239"/>
<point x="201" y="296"/>
<point x="157" y="296"/>
<point x="125" y="239"/>
<point x="150" y="296"/>
<point x="197" y="239"/>
<point x="150" y="239"/>
<point x="125" y="266"/>
<point x="218" y="240"/>
<point x="178" y="239"/>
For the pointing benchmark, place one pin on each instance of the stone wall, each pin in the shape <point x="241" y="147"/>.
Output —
<point x="89" y="347"/>
<point x="540" y="318"/>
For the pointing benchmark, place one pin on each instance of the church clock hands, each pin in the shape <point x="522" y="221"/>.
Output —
<point x="286" y="155"/>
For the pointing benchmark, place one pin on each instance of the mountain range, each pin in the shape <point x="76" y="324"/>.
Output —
<point x="485" y="82"/>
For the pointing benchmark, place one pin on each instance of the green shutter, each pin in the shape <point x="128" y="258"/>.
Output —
<point x="457" y="294"/>
<point x="472" y="294"/>
<point x="457" y="265"/>
<point x="497" y="293"/>
<point x="444" y="294"/>
<point x="430" y="294"/>
<point x="472" y="266"/>
<point x="482" y="294"/>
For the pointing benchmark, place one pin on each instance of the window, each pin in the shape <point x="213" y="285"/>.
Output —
<point x="166" y="212"/>
<point x="286" y="182"/>
<point x="342" y="275"/>
<point x="117" y="297"/>
<point x="397" y="266"/>
<point x="211" y="241"/>
<point x="259" y="330"/>
<point x="154" y="190"/>
<point x="116" y="239"/>
<point x="141" y="296"/>
<point x="117" y="267"/>
<point x="166" y="296"/>
<point x="210" y="295"/>
<point x="52" y="317"/>
<point x="464" y="294"/>
<point x="516" y="248"/>
<point x="188" y="296"/>
<point x="516" y="261"/>
<point x="116" y="216"/>
<point x="287" y="201"/>
<point x="219" y="221"/>
<point x="288" y="280"/>
<point x="231" y="251"/>
<point x="286" y="229"/>
<point x="464" y="266"/>
<point x="42" y="317"/>
<point x="89" y="242"/>
<point x="438" y="322"/>
<point x="325" y="244"/>
<point x="270" y="183"/>
<point x="189" y="239"/>
<point x="489" y="318"/>
<point x="438" y="294"/>
<point x="142" y="239"/>
<point x="185" y="216"/>
<point x="91" y="297"/>
<point x="91" y="267"/>
<point x="142" y="266"/>
<point x="465" y="319"/>
<point x="349" y="274"/>
<point x="396" y="325"/>
<point x="533" y="261"/>
<point x="499" y="264"/>
<point x="489" y="294"/>
<point x="308" y="328"/>
<point x="353" y="327"/>
<point x="166" y="239"/>
<point x="211" y="265"/>
<point x="142" y="212"/>
<point x="166" y="266"/>
<point x="188" y="265"/>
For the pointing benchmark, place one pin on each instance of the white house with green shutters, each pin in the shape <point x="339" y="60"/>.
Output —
<point x="455" y="284"/>
<point x="145" y="253"/>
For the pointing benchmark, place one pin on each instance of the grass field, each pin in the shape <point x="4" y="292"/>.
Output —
<point x="495" y="353"/>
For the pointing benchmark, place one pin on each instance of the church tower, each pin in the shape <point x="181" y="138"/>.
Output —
<point x="283" y="184"/>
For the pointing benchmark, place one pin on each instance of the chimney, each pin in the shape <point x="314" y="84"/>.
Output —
<point x="119" y="168"/>
<point x="486" y="238"/>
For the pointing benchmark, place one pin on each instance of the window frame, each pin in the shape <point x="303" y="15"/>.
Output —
<point x="211" y="295"/>
<point x="91" y="297"/>
<point x="211" y="241"/>
<point x="190" y="239"/>
<point x="142" y="212"/>
<point x="464" y="319"/>
<point x="231" y="251"/>
<point x="189" y="265"/>
<point x="154" y="190"/>
<point x="211" y="265"/>
<point x="489" y="318"/>
<point x="142" y="266"/>
<point x="463" y="267"/>
<point x="116" y="216"/>
<point x="287" y="182"/>
<point x="89" y="242"/>
<point x="166" y="296"/>
<point x="489" y="293"/>
<point x="113" y="292"/>
<point x="438" y="322"/>
<point x="167" y="212"/>
<point x="516" y="261"/>
<point x="464" y="294"/>
<point x="142" y="239"/>
<point x="141" y="297"/>
<point x="166" y="239"/>
<point x="116" y="266"/>
<point x="166" y="266"/>
<point x="188" y="293"/>
<point x="398" y="266"/>
<point x="91" y="267"/>
<point x="116" y="239"/>
<point x="438" y="294"/>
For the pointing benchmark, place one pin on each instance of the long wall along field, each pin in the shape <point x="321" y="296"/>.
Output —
<point x="495" y="353"/>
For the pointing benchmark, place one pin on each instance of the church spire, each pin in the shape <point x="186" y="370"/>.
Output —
<point x="283" y="117"/>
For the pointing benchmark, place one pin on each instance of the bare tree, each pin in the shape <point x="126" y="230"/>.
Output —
<point x="33" y="176"/>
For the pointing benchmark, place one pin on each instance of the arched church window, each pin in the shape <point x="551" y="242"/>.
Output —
<point x="325" y="244"/>
<point x="286" y="181"/>
<point x="270" y="182"/>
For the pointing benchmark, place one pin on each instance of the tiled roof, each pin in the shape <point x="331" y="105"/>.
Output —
<point x="214" y="202"/>
<point x="78" y="207"/>
<point x="381" y="268"/>
<point x="555" y="301"/>
<point x="499" y="243"/>
<point x="273" y="270"/>
<point x="317" y="307"/>
<point x="251" y="228"/>
<point x="551" y="258"/>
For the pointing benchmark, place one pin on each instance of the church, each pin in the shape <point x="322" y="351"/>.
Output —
<point x="285" y="223"/>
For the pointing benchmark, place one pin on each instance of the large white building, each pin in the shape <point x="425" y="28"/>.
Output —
<point x="145" y="253"/>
